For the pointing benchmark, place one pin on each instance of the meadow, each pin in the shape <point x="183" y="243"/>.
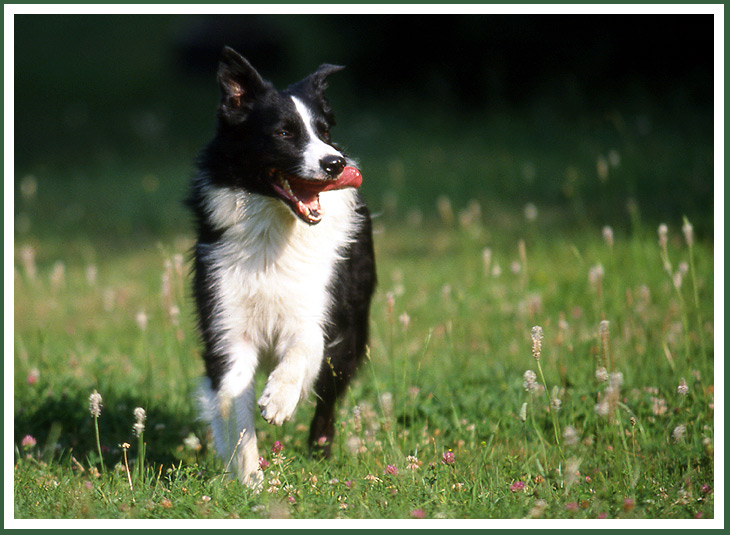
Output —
<point x="542" y="336"/>
<point x="444" y="419"/>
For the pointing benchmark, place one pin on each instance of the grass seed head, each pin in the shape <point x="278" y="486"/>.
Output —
<point x="536" y="335"/>
<point x="608" y="235"/>
<point x="91" y="274"/>
<point x="386" y="403"/>
<point x="58" y="275"/>
<point x="663" y="232"/>
<point x="570" y="435"/>
<point x="601" y="374"/>
<point x="27" y="258"/>
<point x="537" y="510"/>
<point x="140" y="415"/>
<point x="28" y="187"/>
<point x="142" y="320"/>
<point x="530" y="212"/>
<point x="677" y="280"/>
<point x="602" y="408"/>
<point x="658" y="406"/>
<point x="687" y="230"/>
<point x="616" y="379"/>
<point x="595" y="275"/>
<point x="95" y="404"/>
<point x="571" y="471"/>
<point x="405" y="320"/>
<point x="603" y="329"/>
<point x="487" y="259"/>
<point x="530" y="381"/>
<point x="445" y="211"/>
<point x="390" y="303"/>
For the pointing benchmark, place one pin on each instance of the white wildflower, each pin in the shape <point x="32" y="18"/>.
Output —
<point x="570" y="435"/>
<point x="192" y="442"/>
<point x="682" y="389"/>
<point x="413" y="463"/>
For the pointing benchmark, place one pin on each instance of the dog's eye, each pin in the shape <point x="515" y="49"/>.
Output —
<point x="324" y="132"/>
<point x="285" y="134"/>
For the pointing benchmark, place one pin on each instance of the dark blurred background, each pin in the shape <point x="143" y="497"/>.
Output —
<point x="592" y="119"/>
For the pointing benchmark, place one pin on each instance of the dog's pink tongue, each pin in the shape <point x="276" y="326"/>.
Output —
<point x="349" y="178"/>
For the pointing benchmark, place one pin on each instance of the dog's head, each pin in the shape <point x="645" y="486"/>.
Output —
<point x="278" y="143"/>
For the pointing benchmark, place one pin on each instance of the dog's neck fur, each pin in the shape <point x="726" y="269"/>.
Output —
<point x="249" y="220"/>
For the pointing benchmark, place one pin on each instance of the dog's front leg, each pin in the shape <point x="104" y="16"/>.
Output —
<point x="293" y="376"/>
<point x="234" y="416"/>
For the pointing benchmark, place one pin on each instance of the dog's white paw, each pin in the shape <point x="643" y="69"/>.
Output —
<point x="253" y="480"/>
<point x="279" y="401"/>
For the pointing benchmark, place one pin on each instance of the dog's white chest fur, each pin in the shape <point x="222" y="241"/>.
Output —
<point x="272" y="270"/>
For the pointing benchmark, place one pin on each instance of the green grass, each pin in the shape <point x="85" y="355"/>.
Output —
<point x="447" y="378"/>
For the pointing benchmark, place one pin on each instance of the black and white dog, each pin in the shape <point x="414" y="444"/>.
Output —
<point x="284" y="268"/>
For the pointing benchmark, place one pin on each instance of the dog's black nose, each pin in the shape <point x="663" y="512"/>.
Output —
<point x="332" y="165"/>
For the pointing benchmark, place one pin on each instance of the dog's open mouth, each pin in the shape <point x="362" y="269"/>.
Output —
<point x="302" y="195"/>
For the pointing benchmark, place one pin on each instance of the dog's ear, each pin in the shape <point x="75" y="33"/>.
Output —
<point x="316" y="82"/>
<point x="240" y="84"/>
<point x="314" y="86"/>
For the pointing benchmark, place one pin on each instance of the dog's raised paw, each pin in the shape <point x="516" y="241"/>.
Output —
<point x="278" y="402"/>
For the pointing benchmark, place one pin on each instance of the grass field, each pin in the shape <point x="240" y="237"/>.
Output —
<point x="439" y="422"/>
<point x="539" y="349"/>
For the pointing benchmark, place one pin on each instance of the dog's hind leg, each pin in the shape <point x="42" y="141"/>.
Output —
<point x="346" y="347"/>
<point x="347" y="332"/>
<point x="338" y="368"/>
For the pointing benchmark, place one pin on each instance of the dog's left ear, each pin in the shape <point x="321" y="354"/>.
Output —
<point x="318" y="79"/>
<point x="316" y="82"/>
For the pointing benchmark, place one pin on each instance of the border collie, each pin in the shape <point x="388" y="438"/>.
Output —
<point x="284" y="268"/>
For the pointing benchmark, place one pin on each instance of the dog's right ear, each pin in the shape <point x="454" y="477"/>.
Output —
<point x="240" y="85"/>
